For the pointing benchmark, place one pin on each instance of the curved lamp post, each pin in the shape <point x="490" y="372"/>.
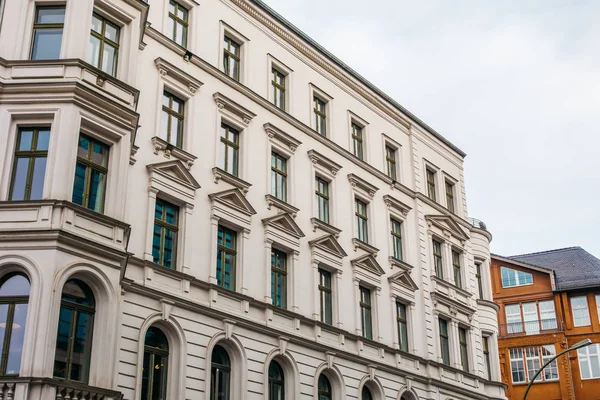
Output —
<point x="583" y="343"/>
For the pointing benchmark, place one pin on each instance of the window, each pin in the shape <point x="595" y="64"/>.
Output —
<point x="320" y="115"/>
<point x="279" y="278"/>
<point x="231" y="58"/>
<point x="155" y="365"/>
<point x="279" y="176"/>
<point x="444" y="342"/>
<point x="104" y="45"/>
<point x="177" y="27"/>
<point x="365" y="312"/>
<point x="431" y="184"/>
<point x="362" y="230"/>
<point x="457" y="268"/>
<point x="517" y="365"/>
<point x="512" y="277"/>
<point x="230" y="149"/>
<point x="547" y="315"/>
<point x="278" y="83"/>
<point x="450" y="196"/>
<point x="579" y="307"/>
<point x="74" y="337"/>
<point x="513" y="318"/>
<point x="89" y="187"/>
<point x="325" y="392"/>
<point x="396" y="239"/>
<point x="220" y="374"/>
<point x="29" y="168"/>
<point x="551" y="371"/>
<point x="390" y="162"/>
<point x="14" y="296"/>
<point x="402" y="326"/>
<point x="598" y="305"/>
<point x="47" y="32"/>
<point x="464" y="348"/>
<point x="164" y="240"/>
<point x="276" y="382"/>
<point x="357" y="141"/>
<point x="366" y="394"/>
<point x="525" y="362"/>
<point x="479" y="279"/>
<point x="589" y="361"/>
<point x="531" y="317"/>
<point x="325" y="293"/>
<point x="226" y="255"/>
<point x="486" y="356"/>
<point x="171" y="122"/>
<point x="322" y="199"/>
<point x="437" y="259"/>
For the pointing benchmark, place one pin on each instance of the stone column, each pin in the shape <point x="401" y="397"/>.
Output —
<point x="267" y="268"/>
<point x="316" y="300"/>
<point x="358" y="325"/>
<point x="152" y="192"/>
<point x="214" y="235"/>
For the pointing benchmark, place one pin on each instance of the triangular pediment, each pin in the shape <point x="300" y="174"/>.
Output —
<point x="329" y="244"/>
<point x="235" y="199"/>
<point x="403" y="278"/>
<point x="286" y="223"/>
<point x="368" y="263"/>
<point x="444" y="222"/>
<point x="176" y="171"/>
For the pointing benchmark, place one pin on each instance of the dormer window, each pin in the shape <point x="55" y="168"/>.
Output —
<point x="512" y="278"/>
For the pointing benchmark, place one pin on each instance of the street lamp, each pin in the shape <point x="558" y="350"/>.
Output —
<point x="583" y="343"/>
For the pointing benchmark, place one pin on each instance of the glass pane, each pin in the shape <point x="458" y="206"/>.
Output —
<point x="156" y="247"/>
<point x="79" y="184"/>
<point x="164" y="125"/>
<point x="3" y="317"/>
<point x="172" y="7"/>
<point x="171" y="214"/>
<point x="25" y="140"/>
<point x="109" y="56"/>
<point x="77" y="292"/>
<point x="182" y="13"/>
<point x="15" y="348"/>
<point x="84" y="145"/>
<point x="179" y="36"/>
<point x="81" y="347"/>
<point x="94" y="51"/>
<point x="43" y="139"/>
<point x="219" y="267"/>
<point x="48" y="15"/>
<point x="159" y="210"/>
<point x="37" y="182"/>
<point x="17" y="285"/>
<point x="62" y="342"/>
<point x="156" y="338"/>
<point x="175" y="129"/>
<point x="228" y="278"/>
<point x="171" y="28"/>
<point x="223" y="385"/>
<point x="112" y="33"/>
<point x="46" y="44"/>
<point x="100" y="154"/>
<point x="159" y="370"/>
<point x="97" y="189"/>
<point x="96" y="23"/>
<point x="146" y="374"/>
<point x="20" y="179"/>
<point x="169" y="250"/>
<point x="327" y="308"/>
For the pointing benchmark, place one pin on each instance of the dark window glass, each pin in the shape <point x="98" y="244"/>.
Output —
<point x="276" y="382"/>
<point x="365" y="313"/>
<point x="357" y="141"/>
<point x="91" y="169"/>
<point x="47" y="32"/>
<point x="177" y="24"/>
<point x="325" y="294"/>
<point x="431" y="184"/>
<point x="396" y="239"/>
<point x="279" y="176"/>
<point x="450" y="196"/>
<point x="29" y="168"/>
<point x="444" y="343"/>
<point x="14" y="296"/>
<point x="322" y="199"/>
<point x="155" y="365"/>
<point x="229" y="149"/>
<point x="464" y="348"/>
<point x="171" y="124"/>
<point x="320" y="111"/>
<point x="437" y="259"/>
<point x="361" y="218"/>
<point x="479" y="281"/>
<point x="278" y="82"/>
<point x="74" y="337"/>
<point x="486" y="356"/>
<point x="402" y="326"/>
<point x="226" y="257"/>
<point x="279" y="278"/>
<point x="366" y="394"/>
<point x="457" y="268"/>
<point x="220" y="375"/>
<point x="390" y="159"/>
<point x="325" y="392"/>
<point x="164" y="239"/>
<point x="231" y="58"/>
<point x="104" y="44"/>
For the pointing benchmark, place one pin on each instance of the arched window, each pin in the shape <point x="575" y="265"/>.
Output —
<point x="324" y="388"/>
<point x="220" y="375"/>
<point x="155" y="365"/>
<point x="75" y="326"/>
<point x="14" y="295"/>
<point x="366" y="394"/>
<point x="276" y="386"/>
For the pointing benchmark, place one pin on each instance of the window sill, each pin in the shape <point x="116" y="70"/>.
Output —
<point x="324" y="226"/>
<point x="169" y="150"/>
<point x="281" y="205"/>
<point x="359" y="244"/>
<point x="232" y="180"/>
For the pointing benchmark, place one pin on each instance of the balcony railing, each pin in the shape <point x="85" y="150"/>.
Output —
<point x="525" y="328"/>
<point x="55" y="389"/>
<point x="477" y="223"/>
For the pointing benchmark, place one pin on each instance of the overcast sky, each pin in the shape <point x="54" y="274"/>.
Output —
<point x="515" y="84"/>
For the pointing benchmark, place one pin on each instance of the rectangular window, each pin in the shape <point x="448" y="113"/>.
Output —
<point x="320" y="115"/>
<point x="229" y="150"/>
<point x="231" y="58"/>
<point x="547" y="315"/>
<point x="226" y="257"/>
<point x="512" y="277"/>
<point x="450" y="196"/>
<point x="513" y="318"/>
<point x="365" y="312"/>
<point x="486" y="356"/>
<point x="47" y="32"/>
<point x="357" y="141"/>
<point x="325" y="295"/>
<point x="164" y="240"/>
<point x="362" y="230"/>
<point x="479" y="279"/>
<point x="444" y="342"/>
<point x="177" y="24"/>
<point x="464" y="348"/>
<point x="457" y="268"/>
<point x="89" y="187"/>
<point x="402" y="326"/>
<point x="279" y="176"/>
<point x="431" y="184"/>
<point x="279" y="278"/>
<point x="322" y="199"/>
<point x="278" y="83"/>
<point x="104" y="44"/>
<point x="551" y="371"/>
<point x="598" y="305"/>
<point x="530" y="318"/>
<point x="390" y="162"/>
<point x="29" y="169"/>
<point x="579" y="307"/>
<point x="171" y="124"/>
<point x="589" y="361"/>
<point x="517" y="365"/>
<point x="396" y="238"/>
<point x="533" y="357"/>
<point x="437" y="259"/>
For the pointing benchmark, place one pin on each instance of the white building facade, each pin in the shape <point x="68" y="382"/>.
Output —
<point x="199" y="202"/>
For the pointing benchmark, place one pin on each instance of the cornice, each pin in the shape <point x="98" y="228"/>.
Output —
<point x="360" y="183"/>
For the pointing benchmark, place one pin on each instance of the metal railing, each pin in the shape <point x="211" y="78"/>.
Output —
<point x="525" y="328"/>
<point x="477" y="223"/>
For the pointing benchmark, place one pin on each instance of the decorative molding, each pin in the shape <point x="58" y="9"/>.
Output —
<point x="224" y="102"/>
<point x="402" y="265"/>
<point x="319" y="159"/>
<point x="286" y="223"/>
<point x="397" y="205"/>
<point x="448" y="226"/>
<point x="362" y="184"/>
<point x="280" y="136"/>
<point x="221" y="175"/>
<point x="176" y="171"/>
<point x="329" y="244"/>
<point x="273" y="201"/>
<point x="325" y="227"/>
<point x="169" y="150"/>
<point x="165" y="69"/>
<point x="369" y="264"/>
<point x="403" y="278"/>
<point x="359" y="244"/>
<point x="233" y="198"/>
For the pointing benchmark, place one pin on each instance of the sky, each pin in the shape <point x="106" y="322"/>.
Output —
<point x="514" y="84"/>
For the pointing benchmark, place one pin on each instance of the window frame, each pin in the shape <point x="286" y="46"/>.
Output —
<point x="485" y="345"/>
<point x="229" y="56"/>
<point x="104" y="40"/>
<point x="402" y="323"/>
<point x="457" y="268"/>
<point x="538" y="360"/>
<point x="32" y="155"/>
<point x="320" y="115"/>
<point x="12" y="302"/>
<point x="438" y="256"/>
<point x="89" y="167"/>
<point x="573" y="309"/>
<point x="517" y="280"/>
<point x="224" y="250"/>
<point x="366" y="311"/>
<point x="279" y="88"/>
<point x="449" y="191"/>
<point x="36" y="26"/>
<point x="226" y="143"/>
<point x="479" y="278"/>
<point x="391" y="162"/>
<point x="278" y="272"/>
<point x="172" y="114"/>
<point x="361" y="220"/>
<point x="273" y="382"/>
<point x="325" y="291"/>
<point x="219" y="367"/>
<point x="444" y="338"/>
<point x="164" y="227"/>
<point x="357" y="136"/>
<point x="153" y="352"/>
<point x="319" y="195"/>
<point x="276" y="172"/>
<point x="396" y="236"/>
<point x="176" y="20"/>
<point x="463" y="344"/>
<point x="431" y="176"/>
<point x="588" y="358"/>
